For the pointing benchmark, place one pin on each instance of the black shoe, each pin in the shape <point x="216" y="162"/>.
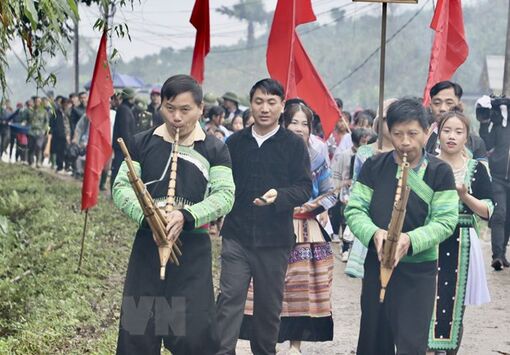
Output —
<point x="497" y="264"/>
<point x="506" y="263"/>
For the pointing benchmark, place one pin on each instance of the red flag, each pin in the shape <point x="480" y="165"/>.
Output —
<point x="99" y="146"/>
<point x="450" y="48"/>
<point x="288" y="62"/>
<point x="200" y="20"/>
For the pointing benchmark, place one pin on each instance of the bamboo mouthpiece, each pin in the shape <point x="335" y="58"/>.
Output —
<point x="382" y="294"/>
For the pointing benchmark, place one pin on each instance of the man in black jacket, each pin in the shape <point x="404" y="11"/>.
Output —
<point x="271" y="169"/>
<point x="124" y="128"/>
<point x="444" y="97"/>
<point x="496" y="133"/>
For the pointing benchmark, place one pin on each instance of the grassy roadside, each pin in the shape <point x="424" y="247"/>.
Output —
<point x="45" y="306"/>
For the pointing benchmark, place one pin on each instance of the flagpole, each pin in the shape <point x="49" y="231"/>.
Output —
<point x="381" y="74"/>
<point x="83" y="240"/>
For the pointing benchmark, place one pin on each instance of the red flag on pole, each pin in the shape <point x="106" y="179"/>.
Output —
<point x="450" y="48"/>
<point x="288" y="62"/>
<point x="200" y="20"/>
<point x="99" y="146"/>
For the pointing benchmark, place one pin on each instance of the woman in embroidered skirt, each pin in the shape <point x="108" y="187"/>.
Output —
<point x="306" y="312"/>
<point x="461" y="277"/>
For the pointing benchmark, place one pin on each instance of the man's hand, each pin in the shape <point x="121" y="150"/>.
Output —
<point x="268" y="198"/>
<point x="379" y="237"/>
<point x="402" y="247"/>
<point x="175" y="223"/>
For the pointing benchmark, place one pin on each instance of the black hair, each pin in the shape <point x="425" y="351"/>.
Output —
<point x="339" y="103"/>
<point x="361" y="116"/>
<point x="407" y="109"/>
<point x="246" y="117"/>
<point x="292" y="109"/>
<point x="357" y="134"/>
<point x="82" y="93"/>
<point x="73" y="94"/>
<point x="214" y="111"/>
<point x="181" y="83"/>
<point x="268" y="86"/>
<point x="443" y="85"/>
<point x="217" y="130"/>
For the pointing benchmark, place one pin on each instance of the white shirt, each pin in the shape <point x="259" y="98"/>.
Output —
<point x="261" y="139"/>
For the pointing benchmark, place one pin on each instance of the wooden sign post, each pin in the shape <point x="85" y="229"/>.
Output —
<point x="383" y="56"/>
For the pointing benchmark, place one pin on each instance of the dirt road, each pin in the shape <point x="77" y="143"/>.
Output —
<point x="487" y="327"/>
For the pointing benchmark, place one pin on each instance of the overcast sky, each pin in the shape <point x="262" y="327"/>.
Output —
<point x="154" y="24"/>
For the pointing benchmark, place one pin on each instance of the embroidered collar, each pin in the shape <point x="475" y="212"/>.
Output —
<point x="196" y="135"/>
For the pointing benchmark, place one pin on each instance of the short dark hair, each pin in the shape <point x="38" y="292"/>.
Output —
<point x="357" y="134"/>
<point x="339" y="103"/>
<point x="443" y="85"/>
<point x="407" y="109"/>
<point x="246" y="117"/>
<point x="82" y="93"/>
<point x="181" y="83"/>
<point x="215" y="111"/>
<point x="73" y="94"/>
<point x="268" y="86"/>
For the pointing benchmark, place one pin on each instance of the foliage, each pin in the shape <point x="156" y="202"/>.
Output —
<point x="43" y="27"/>
<point x="45" y="306"/>
<point x="251" y="11"/>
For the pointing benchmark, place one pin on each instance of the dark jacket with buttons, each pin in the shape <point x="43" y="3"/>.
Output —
<point x="282" y="163"/>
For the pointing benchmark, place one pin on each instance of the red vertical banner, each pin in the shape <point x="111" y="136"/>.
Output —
<point x="200" y="20"/>
<point x="450" y="48"/>
<point x="99" y="146"/>
<point x="288" y="62"/>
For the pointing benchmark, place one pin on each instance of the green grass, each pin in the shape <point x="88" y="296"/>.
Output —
<point x="45" y="306"/>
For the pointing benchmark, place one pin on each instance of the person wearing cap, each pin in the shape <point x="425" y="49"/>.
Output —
<point x="124" y="128"/>
<point x="154" y="106"/>
<point x="155" y="101"/>
<point x="143" y="118"/>
<point x="210" y="100"/>
<point x="231" y="106"/>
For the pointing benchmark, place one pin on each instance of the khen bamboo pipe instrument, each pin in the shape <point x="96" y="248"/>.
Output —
<point x="165" y="250"/>
<point x="394" y="228"/>
<point x="154" y="217"/>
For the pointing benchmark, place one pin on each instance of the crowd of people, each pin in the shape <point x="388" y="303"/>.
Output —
<point x="279" y="193"/>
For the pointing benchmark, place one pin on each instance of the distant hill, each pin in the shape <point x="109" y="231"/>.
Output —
<point x="336" y="49"/>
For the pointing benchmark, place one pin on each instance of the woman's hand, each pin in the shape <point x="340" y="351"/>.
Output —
<point x="462" y="190"/>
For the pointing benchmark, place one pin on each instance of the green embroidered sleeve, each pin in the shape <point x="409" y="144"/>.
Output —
<point x="357" y="213"/>
<point x="443" y="219"/>
<point x="220" y="200"/>
<point x="124" y="196"/>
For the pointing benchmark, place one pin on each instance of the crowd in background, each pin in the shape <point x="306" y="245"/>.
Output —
<point x="54" y="131"/>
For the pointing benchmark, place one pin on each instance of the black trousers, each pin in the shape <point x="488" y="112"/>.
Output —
<point x="500" y="220"/>
<point x="36" y="149"/>
<point x="59" y="145"/>
<point x="5" y="136"/>
<point x="403" y="320"/>
<point x="180" y="311"/>
<point x="267" y="267"/>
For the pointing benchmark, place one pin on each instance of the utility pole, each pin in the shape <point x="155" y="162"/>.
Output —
<point x="506" y="75"/>
<point x="76" y="56"/>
